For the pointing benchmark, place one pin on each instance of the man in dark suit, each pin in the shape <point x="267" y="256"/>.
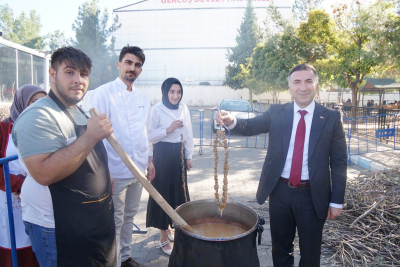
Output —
<point x="304" y="173"/>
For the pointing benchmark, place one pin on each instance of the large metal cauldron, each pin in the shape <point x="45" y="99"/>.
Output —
<point x="192" y="250"/>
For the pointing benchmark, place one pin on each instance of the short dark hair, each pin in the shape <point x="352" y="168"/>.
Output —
<point x="72" y="56"/>
<point x="137" y="51"/>
<point x="304" y="66"/>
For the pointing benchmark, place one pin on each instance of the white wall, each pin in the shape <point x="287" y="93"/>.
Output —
<point x="186" y="38"/>
<point x="197" y="95"/>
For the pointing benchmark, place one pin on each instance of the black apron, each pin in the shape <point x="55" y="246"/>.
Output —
<point x="83" y="209"/>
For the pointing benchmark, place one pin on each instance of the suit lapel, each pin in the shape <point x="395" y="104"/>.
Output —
<point x="286" y="116"/>
<point x="318" y="122"/>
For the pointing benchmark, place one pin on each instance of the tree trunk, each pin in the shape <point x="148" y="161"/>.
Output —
<point x="275" y="96"/>
<point x="362" y="103"/>
<point x="354" y="91"/>
<point x="250" y="96"/>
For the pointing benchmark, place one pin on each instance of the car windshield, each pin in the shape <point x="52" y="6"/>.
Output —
<point x="236" y="106"/>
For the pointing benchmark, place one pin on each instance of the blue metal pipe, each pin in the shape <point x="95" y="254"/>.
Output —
<point x="366" y="131"/>
<point x="349" y="121"/>
<point x="201" y="131"/>
<point x="358" y="137"/>
<point x="211" y="128"/>
<point x="200" y="128"/>
<point x="5" y="161"/>
<point x="394" y="136"/>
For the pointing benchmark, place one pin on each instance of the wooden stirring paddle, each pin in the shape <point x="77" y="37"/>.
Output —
<point x="143" y="181"/>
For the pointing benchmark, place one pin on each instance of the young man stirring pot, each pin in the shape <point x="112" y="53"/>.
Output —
<point x="66" y="197"/>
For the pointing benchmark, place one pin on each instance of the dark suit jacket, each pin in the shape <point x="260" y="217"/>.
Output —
<point x="327" y="161"/>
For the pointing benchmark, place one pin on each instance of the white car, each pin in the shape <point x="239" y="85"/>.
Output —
<point x="241" y="109"/>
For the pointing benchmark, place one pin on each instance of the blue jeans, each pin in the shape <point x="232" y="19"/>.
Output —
<point x="43" y="244"/>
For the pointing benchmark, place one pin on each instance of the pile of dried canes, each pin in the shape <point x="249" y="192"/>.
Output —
<point x="367" y="233"/>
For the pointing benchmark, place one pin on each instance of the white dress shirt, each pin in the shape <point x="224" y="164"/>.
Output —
<point x="308" y="120"/>
<point x="161" y="118"/>
<point x="129" y="113"/>
<point x="288" y="163"/>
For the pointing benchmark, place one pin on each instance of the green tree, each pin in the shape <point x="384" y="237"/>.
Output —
<point x="6" y="20"/>
<point x="94" y="37"/>
<point x="390" y="41"/>
<point x="24" y="30"/>
<point x="351" y="39"/>
<point x="246" y="75"/>
<point x="300" y="8"/>
<point x="272" y="60"/>
<point x="57" y="40"/>
<point x="249" y="35"/>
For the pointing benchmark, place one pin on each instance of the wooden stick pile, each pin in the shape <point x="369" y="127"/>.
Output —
<point x="367" y="233"/>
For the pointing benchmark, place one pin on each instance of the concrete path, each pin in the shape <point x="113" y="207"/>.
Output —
<point x="244" y="172"/>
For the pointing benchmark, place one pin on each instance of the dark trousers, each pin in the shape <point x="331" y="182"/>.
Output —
<point x="290" y="208"/>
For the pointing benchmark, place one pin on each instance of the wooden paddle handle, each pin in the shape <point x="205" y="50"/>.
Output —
<point x="143" y="181"/>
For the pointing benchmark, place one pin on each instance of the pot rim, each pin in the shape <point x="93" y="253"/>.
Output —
<point x="251" y="230"/>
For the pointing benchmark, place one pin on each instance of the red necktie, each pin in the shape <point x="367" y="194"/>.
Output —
<point x="297" y="160"/>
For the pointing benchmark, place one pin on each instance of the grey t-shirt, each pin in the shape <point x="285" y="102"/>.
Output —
<point x="44" y="128"/>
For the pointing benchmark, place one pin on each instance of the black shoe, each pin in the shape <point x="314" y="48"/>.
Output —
<point x="131" y="263"/>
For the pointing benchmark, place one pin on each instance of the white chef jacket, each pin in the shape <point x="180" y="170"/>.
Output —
<point x="129" y="113"/>
<point x="161" y="118"/>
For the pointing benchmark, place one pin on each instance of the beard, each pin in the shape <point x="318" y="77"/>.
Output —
<point x="130" y="78"/>
<point x="62" y="91"/>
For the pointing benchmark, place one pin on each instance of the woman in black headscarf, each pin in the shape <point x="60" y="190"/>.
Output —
<point x="24" y="96"/>
<point x="169" y="122"/>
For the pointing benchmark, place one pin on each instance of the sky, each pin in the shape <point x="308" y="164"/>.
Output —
<point x="59" y="15"/>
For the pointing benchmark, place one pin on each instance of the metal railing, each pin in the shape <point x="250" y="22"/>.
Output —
<point x="248" y="140"/>
<point x="193" y="114"/>
<point x="367" y="111"/>
<point x="364" y="134"/>
<point x="329" y="104"/>
<point x="372" y="133"/>
<point x="5" y="161"/>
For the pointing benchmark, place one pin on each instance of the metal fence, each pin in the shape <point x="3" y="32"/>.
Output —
<point x="197" y="116"/>
<point x="364" y="134"/>
<point x="5" y="161"/>
<point x="367" y="111"/>
<point x="372" y="133"/>
<point x="204" y="131"/>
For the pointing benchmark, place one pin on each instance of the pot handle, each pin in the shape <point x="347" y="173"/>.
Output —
<point x="260" y="229"/>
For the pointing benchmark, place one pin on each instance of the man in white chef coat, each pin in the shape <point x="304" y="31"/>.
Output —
<point x="128" y="110"/>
